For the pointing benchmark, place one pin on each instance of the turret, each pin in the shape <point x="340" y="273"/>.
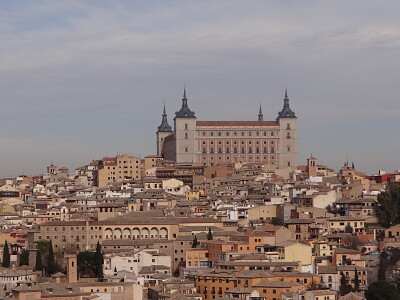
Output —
<point x="164" y="127"/>
<point x="163" y="131"/>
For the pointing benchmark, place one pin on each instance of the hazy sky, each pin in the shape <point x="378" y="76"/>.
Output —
<point x="80" y="80"/>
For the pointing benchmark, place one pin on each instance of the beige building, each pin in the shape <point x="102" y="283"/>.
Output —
<point x="84" y="235"/>
<point x="121" y="167"/>
<point x="263" y="212"/>
<point x="221" y="142"/>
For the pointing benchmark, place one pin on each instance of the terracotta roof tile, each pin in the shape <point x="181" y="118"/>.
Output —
<point x="237" y="123"/>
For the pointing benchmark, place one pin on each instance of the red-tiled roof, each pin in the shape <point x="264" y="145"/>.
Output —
<point x="237" y="123"/>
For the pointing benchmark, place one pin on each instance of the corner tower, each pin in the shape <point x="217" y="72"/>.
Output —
<point x="163" y="131"/>
<point x="287" y="121"/>
<point x="185" y="133"/>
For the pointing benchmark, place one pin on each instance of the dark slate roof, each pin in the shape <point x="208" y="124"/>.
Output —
<point x="184" y="112"/>
<point x="164" y="127"/>
<point x="286" y="112"/>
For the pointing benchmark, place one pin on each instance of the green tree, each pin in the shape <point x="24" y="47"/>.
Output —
<point x="382" y="269"/>
<point x="195" y="242"/>
<point x="98" y="258"/>
<point x="38" y="262"/>
<point x="382" y="290"/>
<point x="348" y="229"/>
<point x="6" y="256"/>
<point x="86" y="264"/>
<point x="51" y="266"/>
<point x="24" y="258"/>
<point x="209" y="234"/>
<point x="43" y="247"/>
<point x="344" y="287"/>
<point x="356" y="281"/>
<point x="277" y="221"/>
<point x="388" y="209"/>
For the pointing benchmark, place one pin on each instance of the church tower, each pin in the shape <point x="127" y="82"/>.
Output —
<point x="311" y="166"/>
<point x="185" y="133"/>
<point x="287" y="121"/>
<point x="163" y="131"/>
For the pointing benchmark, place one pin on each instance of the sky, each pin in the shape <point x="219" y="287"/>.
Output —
<point x="80" y="80"/>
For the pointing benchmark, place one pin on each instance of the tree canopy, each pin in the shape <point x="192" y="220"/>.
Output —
<point x="344" y="287"/>
<point x="388" y="209"/>
<point x="195" y="242"/>
<point x="382" y="290"/>
<point x="98" y="260"/>
<point x="86" y="264"/>
<point x="356" y="281"/>
<point x="24" y="258"/>
<point x="6" y="256"/>
<point x="51" y="266"/>
<point x="209" y="234"/>
<point x="277" y="221"/>
<point x="38" y="262"/>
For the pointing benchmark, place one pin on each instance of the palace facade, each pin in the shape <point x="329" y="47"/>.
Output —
<point x="220" y="142"/>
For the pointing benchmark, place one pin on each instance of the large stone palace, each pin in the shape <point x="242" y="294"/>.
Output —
<point x="220" y="142"/>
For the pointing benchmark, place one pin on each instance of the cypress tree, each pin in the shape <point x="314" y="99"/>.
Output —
<point x="382" y="269"/>
<point x="356" y="281"/>
<point x="24" y="258"/>
<point x="195" y="242"/>
<point x="6" y="256"/>
<point x="209" y="234"/>
<point x="98" y="260"/>
<point x="38" y="263"/>
<point x="50" y="262"/>
<point x="344" y="287"/>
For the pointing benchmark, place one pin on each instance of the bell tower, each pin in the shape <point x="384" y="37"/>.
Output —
<point x="311" y="166"/>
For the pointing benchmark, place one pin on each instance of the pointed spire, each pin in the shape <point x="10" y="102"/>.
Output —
<point x="164" y="115"/>
<point x="184" y="112"/>
<point x="260" y="114"/>
<point x="164" y="127"/>
<point x="184" y="99"/>
<point x="286" y="100"/>
<point x="286" y="112"/>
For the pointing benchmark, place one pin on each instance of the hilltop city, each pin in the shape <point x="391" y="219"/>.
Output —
<point x="220" y="210"/>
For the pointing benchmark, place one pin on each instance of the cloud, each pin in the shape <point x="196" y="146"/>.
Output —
<point x="95" y="71"/>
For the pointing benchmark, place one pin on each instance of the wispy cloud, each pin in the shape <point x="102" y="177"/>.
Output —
<point x="109" y="65"/>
